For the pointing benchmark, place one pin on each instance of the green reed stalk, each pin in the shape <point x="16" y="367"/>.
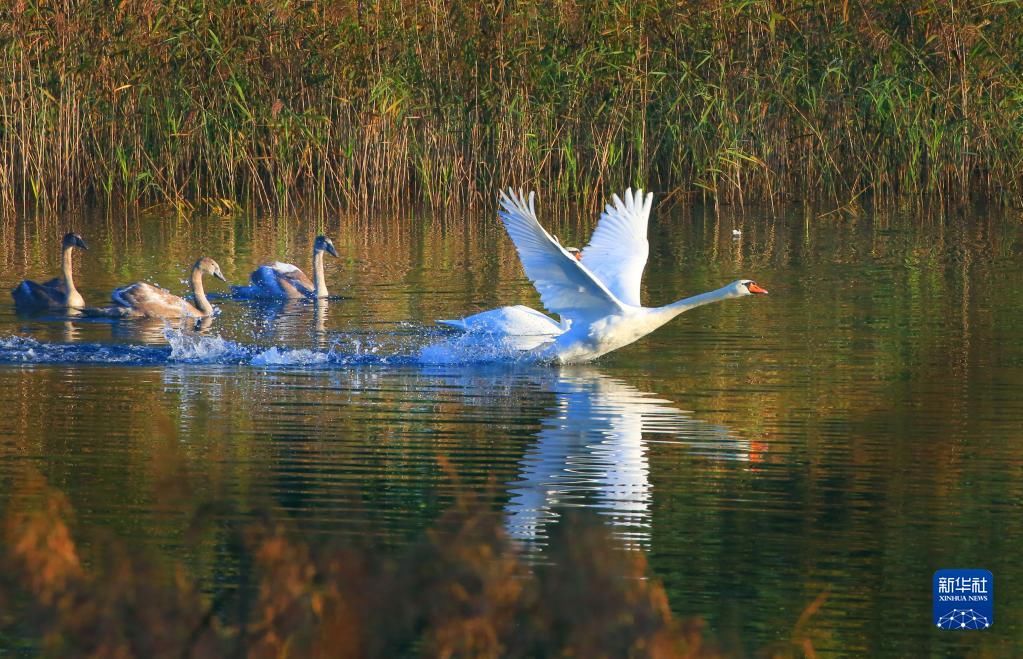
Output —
<point x="342" y="102"/>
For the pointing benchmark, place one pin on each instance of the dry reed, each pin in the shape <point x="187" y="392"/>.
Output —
<point x="346" y="103"/>
<point x="463" y="590"/>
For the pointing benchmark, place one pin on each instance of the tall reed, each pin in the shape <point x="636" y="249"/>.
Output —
<point x="348" y="102"/>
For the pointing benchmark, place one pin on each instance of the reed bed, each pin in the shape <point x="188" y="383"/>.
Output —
<point x="277" y="103"/>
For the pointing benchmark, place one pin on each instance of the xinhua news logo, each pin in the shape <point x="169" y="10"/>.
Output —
<point x="964" y="599"/>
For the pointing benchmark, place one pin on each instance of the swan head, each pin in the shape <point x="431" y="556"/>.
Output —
<point x="73" y="240"/>
<point x="208" y="266"/>
<point x="323" y="244"/>
<point x="574" y="251"/>
<point x="747" y="287"/>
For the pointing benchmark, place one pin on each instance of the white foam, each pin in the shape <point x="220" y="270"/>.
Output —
<point x="473" y="348"/>
<point x="189" y="347"/>
<point x="295" y="357"/>
<point x="26" y="350"/>
<point x="20" y="349"/>
<point x="186" y="346"/>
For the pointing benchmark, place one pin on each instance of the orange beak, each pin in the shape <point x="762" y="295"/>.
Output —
<point x="757" y="290"/>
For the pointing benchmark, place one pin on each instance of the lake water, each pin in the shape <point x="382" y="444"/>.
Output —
<point x="849" y="434"/>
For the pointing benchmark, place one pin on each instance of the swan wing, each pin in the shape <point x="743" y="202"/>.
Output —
<point x="618" y="249"/>
<point x="566" y="286"/>
<point x="277" y="279"/>
<point x="29" y="294"/>
<point x="55" y="284"/>
<point x="292" y="274"/>
<point x="295" y="284"/>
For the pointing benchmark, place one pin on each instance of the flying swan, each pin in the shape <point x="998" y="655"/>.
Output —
<point x="597" y="295"/>
<point x="57" y="293"/>
<point x="283" y="280"/>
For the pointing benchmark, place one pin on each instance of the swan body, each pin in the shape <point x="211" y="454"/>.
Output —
<point x="57" y="293"/>
<point x="519" y="327"/>
<point x="279" y="280"/>
<point x="509" y="320"/>
<point x="598" y="295"/>
<point x="143" y="300"/>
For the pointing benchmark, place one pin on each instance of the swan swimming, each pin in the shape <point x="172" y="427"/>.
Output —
<point x="57" y="293"/>
<point x="284" y="280"/>
<point x="142" y="300"/>
<point x="597" y="295"/>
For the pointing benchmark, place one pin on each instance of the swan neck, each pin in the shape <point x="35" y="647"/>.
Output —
<point x="200" y="293"/>
<point x="72" y="298"/>
<point x="688" y="303"/>
<point x="319" y="281"/>
<point x="66" y="271"/>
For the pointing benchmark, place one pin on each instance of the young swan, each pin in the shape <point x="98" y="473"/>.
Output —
<point x="142" y="300"/>
<point x="284" y="280"/>
<point x="57" y="293"/>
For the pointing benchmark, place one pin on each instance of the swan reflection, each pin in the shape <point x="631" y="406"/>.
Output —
<point x="154" y="330"/>
<point x="592" y="450"/>
<point x="280" y="321"/>
<point x="589" y="443"/>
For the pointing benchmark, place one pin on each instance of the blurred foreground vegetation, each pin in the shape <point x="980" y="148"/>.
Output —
<point x="463" y="590"/>
<point x="347" y="102"/>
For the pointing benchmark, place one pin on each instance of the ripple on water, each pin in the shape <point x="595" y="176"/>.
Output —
<point x="848" y="434"/>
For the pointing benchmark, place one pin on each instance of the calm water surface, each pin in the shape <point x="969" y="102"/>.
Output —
<point x="849" y="434"/>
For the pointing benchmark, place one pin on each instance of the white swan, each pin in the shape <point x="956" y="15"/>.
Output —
<point x="284" y="280"/>
<point x="596" y="296"/>
<point x="143" y="300"/>
<point x="57" y="293"/>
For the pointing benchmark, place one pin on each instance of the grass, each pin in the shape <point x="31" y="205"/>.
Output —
<point x="277" y="103"/>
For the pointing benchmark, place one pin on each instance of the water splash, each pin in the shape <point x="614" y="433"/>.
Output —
<point x="478" y="348"/>
<point x="196" y="348"/>
<point x="296" y="357"/>
<point x="26" y="350"/>
<point x="188" y="347"/>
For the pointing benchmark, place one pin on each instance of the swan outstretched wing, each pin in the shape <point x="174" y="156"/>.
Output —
<point x="618" y="249"/>
<point x="566" y="286"/>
